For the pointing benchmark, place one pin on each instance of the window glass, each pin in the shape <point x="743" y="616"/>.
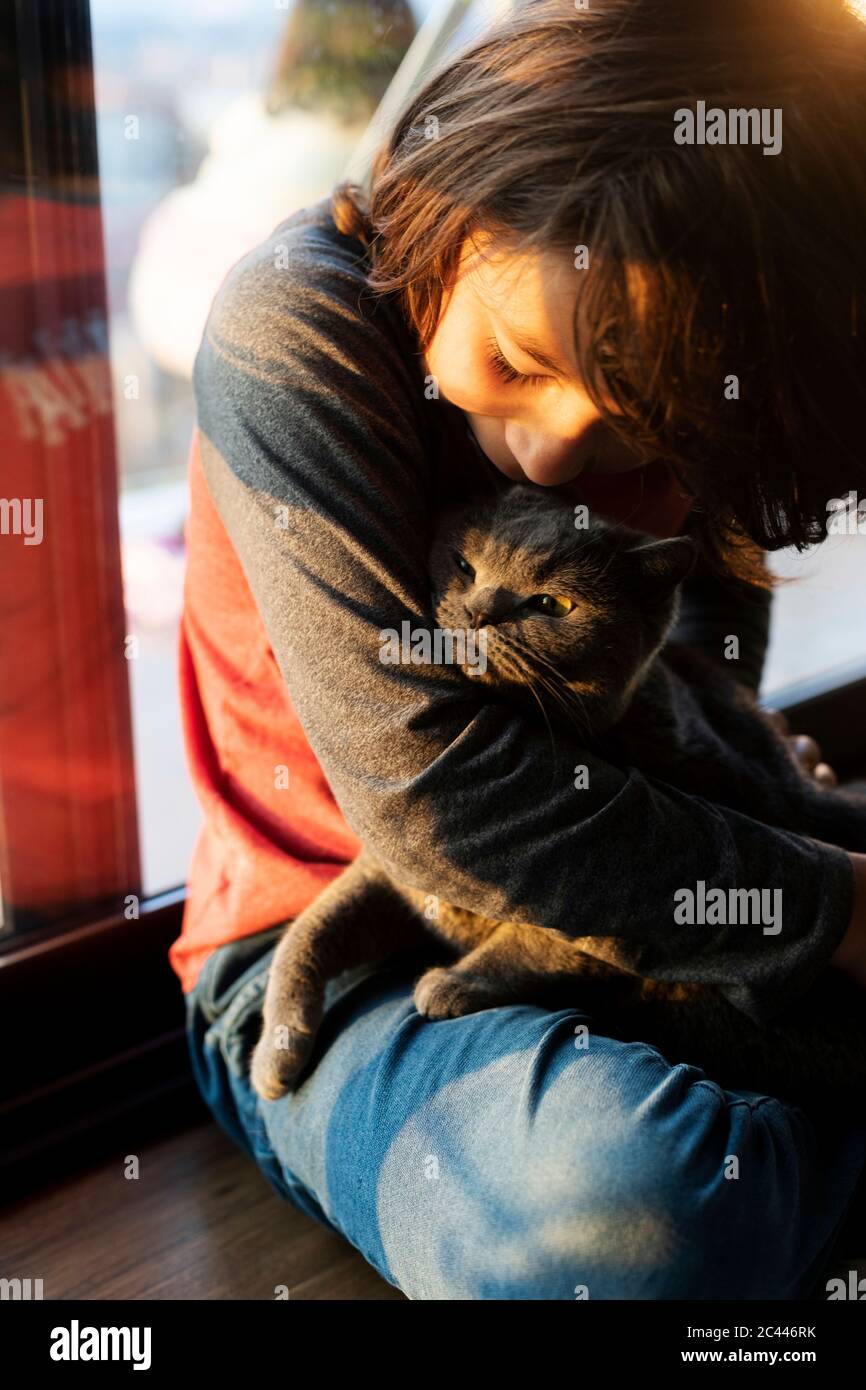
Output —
<point x="818" y="630"/>
<point x="216" y="119"/>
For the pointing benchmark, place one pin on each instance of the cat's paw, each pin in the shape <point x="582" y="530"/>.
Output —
<point x="444" y="993"/>
<point x="278" y="1059"/>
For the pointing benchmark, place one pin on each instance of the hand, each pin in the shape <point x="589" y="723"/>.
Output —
<point x="806" y="751"/>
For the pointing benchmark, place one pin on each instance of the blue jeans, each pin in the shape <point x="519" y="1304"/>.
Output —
<point x="496" y="1157"/>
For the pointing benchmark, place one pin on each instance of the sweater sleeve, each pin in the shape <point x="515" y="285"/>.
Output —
<point x="315" y="435"/>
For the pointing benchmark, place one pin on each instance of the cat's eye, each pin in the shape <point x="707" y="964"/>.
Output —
<point x="462" y="564"/>
<point x="555" y="606"/>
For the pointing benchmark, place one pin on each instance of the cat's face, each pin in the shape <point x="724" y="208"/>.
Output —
<point x="571" y="615"/>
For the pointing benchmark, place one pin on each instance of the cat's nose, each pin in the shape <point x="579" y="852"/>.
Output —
<point x="478" y="617"/>
<point x="485" y="605"/>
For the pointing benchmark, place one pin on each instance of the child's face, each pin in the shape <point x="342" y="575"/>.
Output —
<point x="544" y="429"/>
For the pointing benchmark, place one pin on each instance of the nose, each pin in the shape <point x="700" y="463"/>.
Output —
<point x="482" y="608"/>
<point x="477" y="616"/>
<point x="550" y="456"/>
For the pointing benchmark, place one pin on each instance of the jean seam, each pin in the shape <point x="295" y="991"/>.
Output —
<point x="235" y="1014"/>
<point x="718" y="1090"/>
<point x="731" y="1101"/>
<point x="202" y="991"/>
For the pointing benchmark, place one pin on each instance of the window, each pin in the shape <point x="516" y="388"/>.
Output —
<point x="818" y="631"/>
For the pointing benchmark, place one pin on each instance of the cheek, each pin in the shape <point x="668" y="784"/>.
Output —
<point x="559" y="642"/>
<point x="461" y="382"/>
<point x="456" y="358"/>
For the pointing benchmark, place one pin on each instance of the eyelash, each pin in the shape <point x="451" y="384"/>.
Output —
<point x="504" y="369"/>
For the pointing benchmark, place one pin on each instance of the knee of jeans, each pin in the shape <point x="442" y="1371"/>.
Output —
<point x="691" y="1199"/>
<point x="674" y="1200"/>
<point x="733" y="1192"/>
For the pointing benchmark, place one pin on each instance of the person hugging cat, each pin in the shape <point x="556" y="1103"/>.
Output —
<point x="576" y="620"/>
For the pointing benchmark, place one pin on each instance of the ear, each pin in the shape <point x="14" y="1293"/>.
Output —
<point x="662" y="565"/>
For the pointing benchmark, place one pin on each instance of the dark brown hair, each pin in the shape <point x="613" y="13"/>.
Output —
<point x="555" y="129"/>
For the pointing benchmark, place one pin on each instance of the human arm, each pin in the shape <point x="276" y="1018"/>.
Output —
<point x="315" y="443"/>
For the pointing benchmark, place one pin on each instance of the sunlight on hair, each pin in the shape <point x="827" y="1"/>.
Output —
<point x="857" y="7"/>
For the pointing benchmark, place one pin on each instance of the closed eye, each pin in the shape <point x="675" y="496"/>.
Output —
<point x="504" y="370"/>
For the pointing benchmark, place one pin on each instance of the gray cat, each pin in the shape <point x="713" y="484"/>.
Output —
<point x="575" y="621"/>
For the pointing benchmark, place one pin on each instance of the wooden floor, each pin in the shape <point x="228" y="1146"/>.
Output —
<point x="200" y="1222"/>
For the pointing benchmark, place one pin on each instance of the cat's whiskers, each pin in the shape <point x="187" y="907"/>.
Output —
<point x="530" y="664"/>
<point x="525" y="676"/>
<point x="568" y="698"/>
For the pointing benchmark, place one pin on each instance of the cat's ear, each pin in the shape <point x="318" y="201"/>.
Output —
<point x="662" y="565"/>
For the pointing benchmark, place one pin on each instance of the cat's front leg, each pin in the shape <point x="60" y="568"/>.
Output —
<point x="292" y="1010"/>
<point x="446" y="991"/>
<point x="359" y="918"/>
<point x="515" y="964"/>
